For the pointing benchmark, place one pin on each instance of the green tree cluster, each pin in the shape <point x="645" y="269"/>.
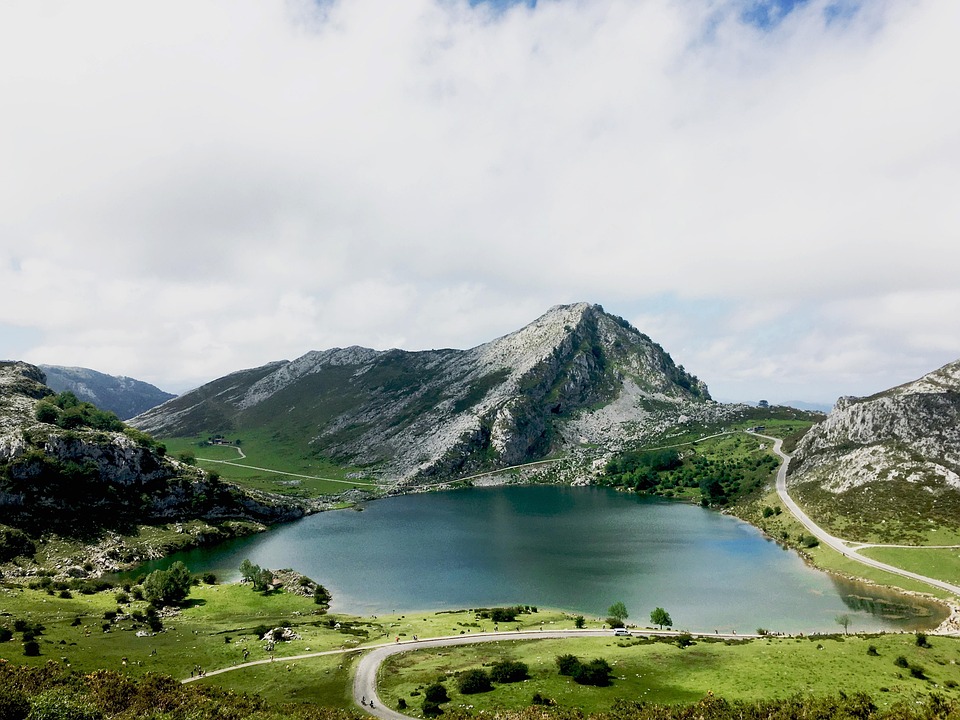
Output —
<point x="260" y="578"/>
<point x="168" y="587"/>
<point x="67" y="411"/>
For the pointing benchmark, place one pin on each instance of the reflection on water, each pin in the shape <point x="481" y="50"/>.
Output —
<point x="908" y="612"/>
<point x="581" y="549"/>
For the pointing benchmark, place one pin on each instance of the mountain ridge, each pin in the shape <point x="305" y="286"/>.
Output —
<point x="410" y="416"/>
<point x="121" y="395"/>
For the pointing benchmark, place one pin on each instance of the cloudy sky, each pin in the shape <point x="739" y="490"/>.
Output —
<point x="770" y="189"/>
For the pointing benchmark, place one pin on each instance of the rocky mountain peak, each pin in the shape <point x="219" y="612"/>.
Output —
<point x="566" y="377"/>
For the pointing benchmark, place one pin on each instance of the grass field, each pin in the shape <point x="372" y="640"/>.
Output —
<point x="270" y="464"/>
<point x="218" y="623"/>
<point x="940" y="563"/>
<point x="786" y="528"/>
<point x="663" y="673"/>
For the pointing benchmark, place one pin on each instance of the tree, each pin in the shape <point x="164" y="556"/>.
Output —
<point x="168" y="587"/>
<point x="618" y="612"/>
<point x="474" y="681"/>
<point x="248" y="570"/>
<point x="659" y="616"/>
<point x="579" y="623"/>
<point x="843" y="621"/>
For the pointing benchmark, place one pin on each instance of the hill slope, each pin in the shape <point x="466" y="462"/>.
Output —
<point x="121" y="395"/>
<point x="887" y="466"/>
<point x="79" y="472"/>
<point x="576" y="375"/>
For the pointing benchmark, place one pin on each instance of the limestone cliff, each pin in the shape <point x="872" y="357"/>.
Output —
<point x="891" y="459"/>
<point x="80" y="481"/>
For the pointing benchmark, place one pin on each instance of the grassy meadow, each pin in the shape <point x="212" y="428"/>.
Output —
<point x="659" y="671"/>
<point x="270" y="465"/>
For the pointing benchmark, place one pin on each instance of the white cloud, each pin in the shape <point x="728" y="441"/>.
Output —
<point x="191" y="188"/>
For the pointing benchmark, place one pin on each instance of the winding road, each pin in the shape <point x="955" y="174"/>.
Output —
<point x="365" y="679"/>
<point x="844" y="547"/>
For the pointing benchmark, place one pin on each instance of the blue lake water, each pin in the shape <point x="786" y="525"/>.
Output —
<point x="576" y="548"/>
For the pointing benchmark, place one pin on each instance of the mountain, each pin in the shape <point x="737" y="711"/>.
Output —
<point x="575" y="376"/>
<point x="887" y="465"/>
<point x="123" y="396"/>
<point x="75" y="470"/>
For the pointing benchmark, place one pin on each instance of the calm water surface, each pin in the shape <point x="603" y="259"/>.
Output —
<point x="579" y="548"/>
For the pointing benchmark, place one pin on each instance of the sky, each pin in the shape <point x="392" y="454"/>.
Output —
<point x="769" y="189"/>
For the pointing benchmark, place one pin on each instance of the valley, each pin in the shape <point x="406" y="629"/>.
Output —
<point x="578" y="416"/>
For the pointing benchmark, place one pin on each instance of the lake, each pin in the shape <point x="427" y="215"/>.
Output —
<point x="576" y="548"/>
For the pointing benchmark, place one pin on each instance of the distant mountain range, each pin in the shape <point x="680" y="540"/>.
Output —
<point x="121" y="395"/>
<point x="575" y="376"/>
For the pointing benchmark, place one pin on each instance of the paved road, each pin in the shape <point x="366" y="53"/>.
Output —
<point x="365" y="680"/>
<point x="838" y="544"/>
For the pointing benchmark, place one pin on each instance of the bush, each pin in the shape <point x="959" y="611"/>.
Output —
<point x="432" y="709"/>
<point x="401" y="704"/>
<point x="901" y="661"/>
<point x="579" y="623"/>
<point x="567" y="664"/>
<point x="59" y="705"/>
<point x="922" y="640"/>
<point x="5" y="634"/>
<point x="436" y="692"/>
<point x="474" y="681"/>
<point x="31" y="648"/>
<point x="13" y="704"/>
<point x="539" y="699"/>
<point x="872" y="651"/>
<point x="596" y="673"/>
<point x="509" y="671"/>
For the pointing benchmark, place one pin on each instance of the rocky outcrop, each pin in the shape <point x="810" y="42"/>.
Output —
<point x="888" y="466"/>
<point x="910" y="433"/>
<point x="83" y="481"/>
<point x="575" y="376"/>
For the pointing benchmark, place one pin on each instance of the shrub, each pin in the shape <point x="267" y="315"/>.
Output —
<point x="474" y="681"/>
<point x="579" y="622"/>
<point x="66" y="594"/>
<point x="59" y="705"/>
<point x="901" y="661"/>
<point x="922" y="640"/>
<point x="918" y="672"/>
<point x="436" y="692"/>
<point x="401" y="704"/>
<point x="596" y="673"/>
<point x="13" y="704"/>
<point x="567" y="664"/>
<point x="509" y="671"/>
<point x="5" y="634"/>
<point x="872" y="650"/>
<point x="31" y="648"/>
<point x="432" y="709"/>
<point x="539" y="699"/>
